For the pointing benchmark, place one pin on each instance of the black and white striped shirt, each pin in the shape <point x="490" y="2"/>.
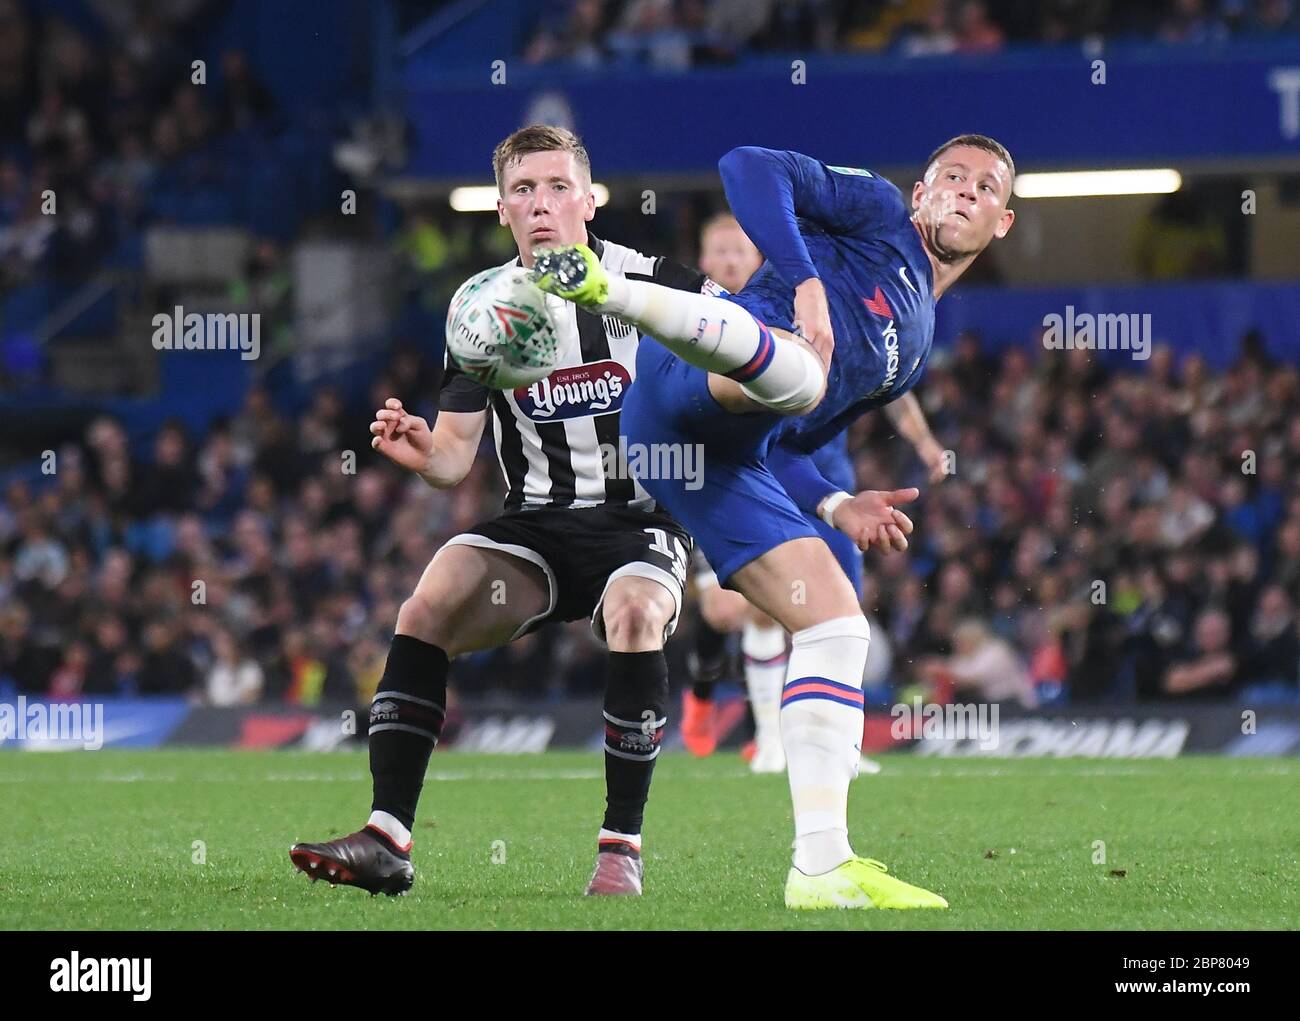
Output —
<point x="550" y="436"/>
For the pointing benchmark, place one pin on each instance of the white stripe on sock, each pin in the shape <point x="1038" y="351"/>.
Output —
<point x="628" y="838"/>
<point x="391" y="826"/>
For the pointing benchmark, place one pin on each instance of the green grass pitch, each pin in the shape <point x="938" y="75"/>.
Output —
<point x="107" y="840"/>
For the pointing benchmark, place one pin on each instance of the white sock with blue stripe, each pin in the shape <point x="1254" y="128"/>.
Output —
<point x="720" y="336"/>
<point x="821" y="728"/>
<point x="763" y="647"/>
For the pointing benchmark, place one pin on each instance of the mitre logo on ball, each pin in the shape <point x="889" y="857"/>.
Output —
<point x="499" y="331"/>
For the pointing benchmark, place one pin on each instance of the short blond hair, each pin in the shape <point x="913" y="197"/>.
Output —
<point x="723" y="219"/>
<point x="538" y="138"/>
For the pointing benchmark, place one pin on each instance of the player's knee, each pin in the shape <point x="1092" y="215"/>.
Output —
<point x="636" y="697"/>
<point x="809" y="393"/>
<point x="803" y="383"/>
<point x="634" y="620"/>
<point x="421" y="617"/>
<point x="850" y="628"/>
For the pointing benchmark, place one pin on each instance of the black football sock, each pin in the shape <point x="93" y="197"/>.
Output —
<point x="708" y="660"/>
<point x="636" y="694"/>
<point x="405" y="720"/>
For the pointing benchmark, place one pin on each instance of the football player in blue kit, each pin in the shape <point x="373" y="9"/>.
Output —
<point x="730" y="259"/>
<point x="838" y="321"/>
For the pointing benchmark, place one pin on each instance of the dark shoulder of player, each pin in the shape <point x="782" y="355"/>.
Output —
<point x="656" y="269"/>
<point x="458" y="393"/>
<point x="672" y="274"/>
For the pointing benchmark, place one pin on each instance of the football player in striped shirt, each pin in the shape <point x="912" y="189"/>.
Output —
<point x="858" y="269"/>
<point x="579" y="537"/>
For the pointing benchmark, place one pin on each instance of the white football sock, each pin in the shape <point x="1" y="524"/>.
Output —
<point x="765" y="662"/>
<point x="610" y="837"/>
<point x="821" y="727"/>
<point x="392" y="827"/>
<point x="720" y="336"/>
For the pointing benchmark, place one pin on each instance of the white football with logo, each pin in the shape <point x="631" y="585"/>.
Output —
<point x="499" y="331"/>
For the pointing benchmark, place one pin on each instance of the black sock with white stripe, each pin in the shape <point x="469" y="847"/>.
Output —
<point x="405" y="721"/>
<point x="636" y="694"/>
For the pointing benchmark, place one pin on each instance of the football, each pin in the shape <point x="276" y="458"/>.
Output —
<point x="499" y="331"/>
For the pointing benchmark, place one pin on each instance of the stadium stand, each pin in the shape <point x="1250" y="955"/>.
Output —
<point x="220" y="554"/>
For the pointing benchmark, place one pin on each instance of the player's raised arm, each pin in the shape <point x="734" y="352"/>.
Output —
<point x="770" y="190"/>
<point x="761" y="185"/>
<point x="442" y="456"/>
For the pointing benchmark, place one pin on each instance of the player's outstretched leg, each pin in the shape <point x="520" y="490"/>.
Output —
<point x="780" y="373"/>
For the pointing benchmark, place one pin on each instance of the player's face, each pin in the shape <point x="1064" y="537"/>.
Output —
<point x="962" y="204"/>
<point x="546" y="201"/>
<point x="728" y="256"/>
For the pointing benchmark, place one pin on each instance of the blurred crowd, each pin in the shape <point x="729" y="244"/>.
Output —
<point x="1133" y="535"/>
<point x="260" y="561"/>
<point x="1122" y="536"/>
<point x="105" y="125"/>
<point x="1103" y="537"/>
<point x="675" y="34"/>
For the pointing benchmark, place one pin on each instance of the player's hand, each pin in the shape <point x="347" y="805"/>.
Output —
<point x="812" y="318"/>
<point x="872" y="518"/>
<point x="403" y="438"/>
<point x="931" y="454"/>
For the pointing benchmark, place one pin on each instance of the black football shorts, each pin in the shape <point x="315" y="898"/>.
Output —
<point x="582" y="550"/>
